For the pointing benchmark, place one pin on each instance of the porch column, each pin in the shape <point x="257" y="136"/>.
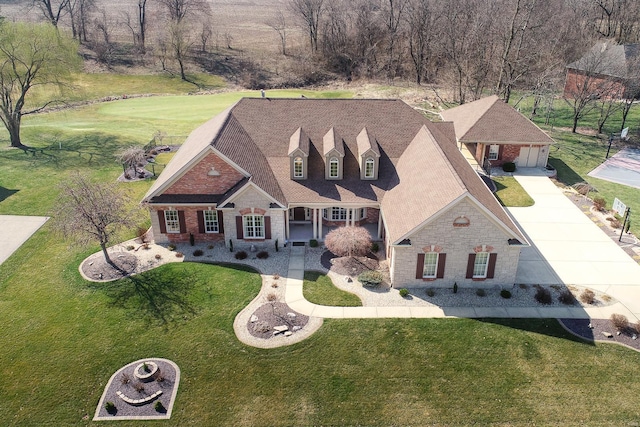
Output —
<point x="319" y="232"/>
<point x="286" y="224"/>
<point x="379" y="226"/>
<point x="352" y="221"/>
<point x="314" y="223"/>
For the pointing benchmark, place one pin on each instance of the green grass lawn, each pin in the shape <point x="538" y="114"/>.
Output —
<point x="319" y="289"/>
<point x="510" y="193"/>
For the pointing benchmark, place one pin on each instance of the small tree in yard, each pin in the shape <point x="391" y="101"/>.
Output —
<point x="131" y="156"/>
<point x="348" y="241"/>
<point x="90" y="211"/>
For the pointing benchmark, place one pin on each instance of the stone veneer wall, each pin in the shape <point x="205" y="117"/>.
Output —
<point x="457" y="243"/>
<point x="191" y="222"/>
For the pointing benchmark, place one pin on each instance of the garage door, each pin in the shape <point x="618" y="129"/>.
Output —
<point x="528" y="157"/>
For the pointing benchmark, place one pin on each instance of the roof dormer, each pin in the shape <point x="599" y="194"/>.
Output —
<point x="333" y="150"/>
<point x="298" y="154"/>
<point x="368" y="155"/>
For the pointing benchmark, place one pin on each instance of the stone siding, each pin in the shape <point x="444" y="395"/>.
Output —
<point x="457" y="243"/>
<point x="191" y="223"/>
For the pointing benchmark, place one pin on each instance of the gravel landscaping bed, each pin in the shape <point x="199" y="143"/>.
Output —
<point x="599" y="331"/>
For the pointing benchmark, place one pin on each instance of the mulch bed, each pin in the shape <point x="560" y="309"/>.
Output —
<point x="96" y="267"/>
<point x="349" y="266"/>
<point x="275" y="314"/>
<point x="580" y="328"/>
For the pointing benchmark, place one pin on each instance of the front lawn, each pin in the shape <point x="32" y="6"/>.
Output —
<point x="319" y="289"/>
<point x="510" y="193"/>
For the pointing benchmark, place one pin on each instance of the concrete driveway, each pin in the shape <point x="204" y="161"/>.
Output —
<point x="568" y="248"/>
<point x="15" y="230"/>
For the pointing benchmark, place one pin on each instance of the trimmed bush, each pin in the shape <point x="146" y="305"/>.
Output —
<point x="599" y="203"/>
<point x="262" y="255"/>
<point x="455" y="288"/>
<point x="588" y="296"/>
<point x="509" y="167"/>
<point x="230" y="245"/>
<point x="313" y="243"/>
<point x="272" y="297"/>
<point x="158" y="406"/>
<point x="171" y="247"/>
<point x="241" y="255"/>
<point x="505" y="294"/>
<point x="566" y="297"/>
<point x="192" y="239"/>
<point x="431" y="292"/>
<point x="179" y="254"/>
<point x="375" y="247"/>
<point x="480" y="292"/>
<point x="110" y="407"/>
<point x="348" y="241"/>
<point x="198" y="252"/>
<point x="370" y="278"/>
<point x="130" y="247"/>
<point x="158" y="256"/>
<point x="619" y="321"/>
<point x="543" y="296"/>
<point x="404" y="292"/>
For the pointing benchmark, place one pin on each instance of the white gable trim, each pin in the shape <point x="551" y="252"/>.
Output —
<point x="245" y="187"/>
<point x="209" y="149"/>
<point x="507" y="231"/>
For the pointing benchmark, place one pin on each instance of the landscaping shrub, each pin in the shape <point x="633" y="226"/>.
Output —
<point x="125" y="379"/>
<point x="130" y="247"/>
<point x="141" y="233"/>
<point x="543" y="295"/>
<point x="158" y="406"/>
<point x="272" y="297"/>
<point x="404" y="292"/>
<point x="230" y="245"/>
<point x="370" y="278"/>
<point x="276" y="276"/>
<point x="158" y="256"/>
<point x="348" y="241"/>
<point x="480" y="292"/>
<point x="139" y="387"/>
<point x="210" y="247"/>
<point x="375" y="247"/>
<point x="505" y="294"/>
<point x="455" y="288"/>
<point x="277" y="246"/>
<point x="110" y="407"/>
<point x="599" y="203"/>
<point x="619" y="321"/>
<point x="192" y="239"/>
<point x="615" y="223"/>
<point x="588" y="296"/>
<point x="509" y="167"/>
<point x="171" y="247"/>
<point x="431" y="292"/>
<point x="179" y="254"/>
<point x="241" y="255"/>
<point x="198" y="252"/>
<point x="566" y="297"/>
<point x="262" y="255"/>
<point x="313" y="243"/>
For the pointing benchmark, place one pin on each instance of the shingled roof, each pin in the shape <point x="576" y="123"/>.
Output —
<point x="610" y="59"/>
<point x="256" y="133"/>
<point x="491" y="121"/>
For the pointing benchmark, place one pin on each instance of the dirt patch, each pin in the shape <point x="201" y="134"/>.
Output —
<point x="595" y="329"/>
<point x="349" y="266"/>
<point x="96" y="267"/>
<point x="268" y="316"/>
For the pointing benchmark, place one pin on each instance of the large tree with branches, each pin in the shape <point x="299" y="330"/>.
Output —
<point x="30" y="55"/>
<point x="92" y="212"/>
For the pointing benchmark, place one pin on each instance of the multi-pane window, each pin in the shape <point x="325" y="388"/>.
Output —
<point x="494" y="150"/>
<point x="211" y="221"/>
<point x="253" y="226"/>
<point x="297" y="168"/>
<point x="334" y="167"/>
<point x="480" y="265"/>
<point x="172" y="221"/>
<point x="369" y="165"/>
<point x="341" y="214"/>
<point x="430" y="265"/>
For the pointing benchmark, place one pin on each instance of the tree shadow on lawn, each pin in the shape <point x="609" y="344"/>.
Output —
<point x="548" y="327"/>
<point x="5" y="193"/>
<point x="566" y="175"/>
<point x="163" y="296"/>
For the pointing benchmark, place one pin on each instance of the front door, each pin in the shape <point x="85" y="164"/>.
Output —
<point x="299" y="214"/>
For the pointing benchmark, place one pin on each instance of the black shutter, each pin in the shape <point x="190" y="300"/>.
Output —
<point x="220" y="222"/>
<point x="472" y="260"/>
<point x="267" y="227"/>
<point x="239" y="230"/>
<point x="183" y="225"/>
<point x="442" y="259"/>
<point x="420" y="266"/>
<point x="492" y="266"/>
<point x="201" y="222"/>
<point x="163" y="224"/>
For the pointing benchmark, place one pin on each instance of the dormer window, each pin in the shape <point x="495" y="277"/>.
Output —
<point x="298" y="170"/>
<point x="369" y="168"/>
<point x="334" y="168"/>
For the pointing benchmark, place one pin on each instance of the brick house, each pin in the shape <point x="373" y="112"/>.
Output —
<point x="286" y="170"/>
<point x="495" y="132"/>
<point x="608" y="70"/>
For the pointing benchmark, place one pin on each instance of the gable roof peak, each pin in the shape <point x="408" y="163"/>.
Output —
<point x="367" y="142"/>
<point x="299" y="141"/>
<point x="332" y="141"/>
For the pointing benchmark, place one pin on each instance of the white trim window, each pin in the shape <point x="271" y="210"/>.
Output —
<point x="494" y="151"/>
<point x="172" y="221"/>
<point x="253" y="226"/>
<point x="298" y="171"/>
<point x="334" y="167"/>
<point x="369" y="168"/>
<point x="481" y="265"/>
<point x="211" y="221"/>
<point x="430" y="269"/>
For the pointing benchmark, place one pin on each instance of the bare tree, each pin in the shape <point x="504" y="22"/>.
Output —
<point x="205" y="34"/>
<point x="348" y="241"/>
<point x="178" y="10"/>
<point x="421" y="20"/>
<point x="279" y="24"/>
<point x="90" y="211"/>
<point x="393" y="11"/>
<point x="137" y="26"/>
<point x="52" y="10"/>
<point x="80" y="13"/>
<point x="30" y="55"/>
<point x="310" y="12"/>
<point x="130" y="157"/>
<point x="180" y="42"/>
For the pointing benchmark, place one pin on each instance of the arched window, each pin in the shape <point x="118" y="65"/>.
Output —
<point x="334" y="166"/>
<point x="297" y="168"/>
<point x="369" y="166"/>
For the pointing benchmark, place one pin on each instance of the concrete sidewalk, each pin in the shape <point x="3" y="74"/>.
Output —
<point x="15" y="230"/>
<point x="296" y="301"/>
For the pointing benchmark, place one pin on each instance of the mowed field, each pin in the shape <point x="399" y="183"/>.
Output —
<point x="246" y="22"/>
